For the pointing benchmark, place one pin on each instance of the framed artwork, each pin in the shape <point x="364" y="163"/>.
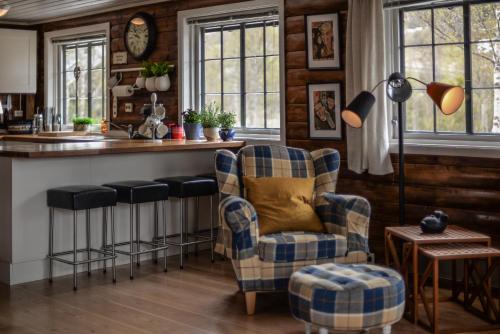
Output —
<point x="324" y="107"/>
<point x="323" y="41"/>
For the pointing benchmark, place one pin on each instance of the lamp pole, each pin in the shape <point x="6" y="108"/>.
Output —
<point x="402" y="199"/>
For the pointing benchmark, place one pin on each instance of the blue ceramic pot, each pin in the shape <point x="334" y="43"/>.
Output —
<point x="227" y="134"/>
<point x="192" y="131"/>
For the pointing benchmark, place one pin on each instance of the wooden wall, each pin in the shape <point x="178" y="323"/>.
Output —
<point x="468" y="189"/>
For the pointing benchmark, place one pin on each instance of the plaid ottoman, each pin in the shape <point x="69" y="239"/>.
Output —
<point x="347" y="297"/>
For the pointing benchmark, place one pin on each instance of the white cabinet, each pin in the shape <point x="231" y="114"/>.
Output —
<point x="18" y="61"/>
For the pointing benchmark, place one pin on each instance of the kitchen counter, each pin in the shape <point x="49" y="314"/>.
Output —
<point x="21" y="147"/>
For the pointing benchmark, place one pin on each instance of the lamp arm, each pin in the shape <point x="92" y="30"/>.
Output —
<point x="417" y="80"/>
<point x="378" y="84"/>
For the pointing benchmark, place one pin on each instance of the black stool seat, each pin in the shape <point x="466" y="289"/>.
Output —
<point x="211" y="176"/>
<point x="189" y="186"/>
<point x="81" y="197"/>
<point x="134" y="192"/>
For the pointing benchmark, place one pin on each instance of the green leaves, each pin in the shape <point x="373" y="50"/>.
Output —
<point x="158" y="69"/>
<point x="83" y="120"/>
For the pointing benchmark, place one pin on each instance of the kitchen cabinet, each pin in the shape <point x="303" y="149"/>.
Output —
<point x="18" y="61"/>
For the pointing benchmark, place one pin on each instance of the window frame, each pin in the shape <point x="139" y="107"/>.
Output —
<point x="428" y="136"/>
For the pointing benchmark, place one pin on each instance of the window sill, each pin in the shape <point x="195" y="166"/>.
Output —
<point x="480" y="149"/>
<point x="259" y="139"/>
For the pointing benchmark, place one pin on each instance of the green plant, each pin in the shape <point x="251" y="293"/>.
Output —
<point x="147" y="69"/>
<point x="161" y="68"/>
<point x="190" y="116"/>
<point x="227" y="119"/>
<point x="83" y="120"/>
<point x="210" y="115"/>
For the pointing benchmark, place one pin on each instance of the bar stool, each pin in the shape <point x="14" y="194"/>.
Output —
<point x="135" y="193"/>
<point x="184" y="187"/>
<point x="76" y="198"/>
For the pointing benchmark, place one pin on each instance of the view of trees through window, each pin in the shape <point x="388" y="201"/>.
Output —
<point x="240" y="69"/>
<point x="458" y="45"/>
<point x="86" y="96"/>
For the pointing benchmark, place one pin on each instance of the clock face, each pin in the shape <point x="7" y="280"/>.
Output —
<point x="137" y="38"/>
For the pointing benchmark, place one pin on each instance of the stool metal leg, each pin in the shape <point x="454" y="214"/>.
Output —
<point x="186" y="226"/>
<point x="212" y="228"/>
<point x="131" y="241"/>
<point x="75" y="253"/>
<point x="164" y="236"/>
<point x="197" y="221"/>
<point x="182" y="233"/>
<point x="104" y="235"/>
<point x="155" y="234"/>
<point x="87" y="219"/>
<point x="138" y="229"/>
<point x="51" y="243"/>
<point x="113" y="261"/>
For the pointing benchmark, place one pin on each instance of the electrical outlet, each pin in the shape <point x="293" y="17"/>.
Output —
<point x="129" y="107"/>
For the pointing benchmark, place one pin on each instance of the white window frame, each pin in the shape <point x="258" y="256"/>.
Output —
<point x="188" y="49"/>
<point x="50" y="60"/>
<point x="472" y="145"/>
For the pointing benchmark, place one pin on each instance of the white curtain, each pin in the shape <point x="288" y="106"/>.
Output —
<point x="368" y="147"/>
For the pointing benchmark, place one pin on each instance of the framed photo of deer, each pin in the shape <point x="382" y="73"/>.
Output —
<point x="323" y="41"/>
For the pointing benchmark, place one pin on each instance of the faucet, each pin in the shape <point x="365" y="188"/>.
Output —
<point x="130" y="129"/>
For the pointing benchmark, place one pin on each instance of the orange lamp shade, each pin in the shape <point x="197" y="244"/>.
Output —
<point x="447" y="97"/>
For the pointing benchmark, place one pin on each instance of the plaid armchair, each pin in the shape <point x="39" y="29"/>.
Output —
<point x="265" y="263"/>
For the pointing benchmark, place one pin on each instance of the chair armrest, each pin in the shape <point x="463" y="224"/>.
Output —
<point x="240" y="229"/>
<point x="346" y="215"/>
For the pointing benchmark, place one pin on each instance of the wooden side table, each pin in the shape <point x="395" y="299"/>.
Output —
<point x="413" y="238"/>
<point x="475" y="284"/>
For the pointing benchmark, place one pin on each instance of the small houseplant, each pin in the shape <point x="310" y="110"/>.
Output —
<point x="210" y="120"/>
<point x="192" y="124"/>
<point x="82" y="123"/>
<point x="227" y="120"/>
<point x="161" y="71"/>
<point x="147" y="72"/>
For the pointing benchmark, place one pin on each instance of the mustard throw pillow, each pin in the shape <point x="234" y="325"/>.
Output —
<point x="283" y="204"/>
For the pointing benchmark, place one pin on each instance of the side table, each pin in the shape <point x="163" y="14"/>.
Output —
<point x="413" y="238"/>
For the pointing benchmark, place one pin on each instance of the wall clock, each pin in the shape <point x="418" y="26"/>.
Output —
<point x="140" y="35"/>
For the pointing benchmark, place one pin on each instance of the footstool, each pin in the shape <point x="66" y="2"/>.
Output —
<point x="347" y="297"/>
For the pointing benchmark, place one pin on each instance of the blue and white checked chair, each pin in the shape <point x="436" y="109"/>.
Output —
<point x="265" y="263"/>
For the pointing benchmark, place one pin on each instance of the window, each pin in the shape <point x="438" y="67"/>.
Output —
<point x="240" y="70"/>
<point x="81" y="79"/>
<point x="458" y="44"/>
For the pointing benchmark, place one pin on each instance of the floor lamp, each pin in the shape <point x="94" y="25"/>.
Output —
<point x="448" y="98"/>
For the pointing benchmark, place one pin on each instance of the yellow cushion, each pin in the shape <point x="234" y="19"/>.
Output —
<point x="283" y="204"/>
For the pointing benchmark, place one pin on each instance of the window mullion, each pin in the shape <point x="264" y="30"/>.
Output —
<point x="222" y="67"/>
<point x="76" y="82"/>
<point x="264" y="60"/>
<point x="63" y="88"/>
<point x="89" y="80"/>
<point x="433" y="65"/>
<point x="202" y="67"/>
<point x="242" y="76"/>
<point x="469" y="119"/>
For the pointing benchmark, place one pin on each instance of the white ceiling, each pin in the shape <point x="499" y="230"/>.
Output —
<point x="39" y="11"/>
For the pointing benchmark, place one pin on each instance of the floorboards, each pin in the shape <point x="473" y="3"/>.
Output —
<point x="202" y="298"/>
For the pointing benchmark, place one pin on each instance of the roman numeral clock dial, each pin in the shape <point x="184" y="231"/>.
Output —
<point x="140" y="36"/>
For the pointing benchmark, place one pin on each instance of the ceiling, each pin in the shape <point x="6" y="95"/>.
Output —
<point x="27" y="12"/>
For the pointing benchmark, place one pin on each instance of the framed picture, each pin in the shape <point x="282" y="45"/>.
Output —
<point x="324" y="107"/>
<point x="323" y="41"/>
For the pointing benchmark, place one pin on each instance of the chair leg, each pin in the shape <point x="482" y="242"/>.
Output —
<point x="186" y="226"/>
<point x="51" y="243"/>
<point x="164" y="216"/>
<point x="212" y="229"/>
<point x="75" y="253"/>
<point x="155" y="233"/>
<point x="113" y="261"/>
<point x="386" y="329"/>
<point x="138" y="236"/>
<point x="104" y="235"/>
<point x="131" y="241"/>
<point x="197" y="222"/>
<point x="250" y="298"/>
<point x="181" y="251"/>
<point x="87" y="219"/>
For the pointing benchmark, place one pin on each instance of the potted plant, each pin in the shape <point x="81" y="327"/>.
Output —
<point x="210" y="120"/>
<point x="82" y="123"/>
<point x="192" y="124"/>
<point x="161" y="71"/>
<point x="227" y="120"/>
<point x="148" y="73"/>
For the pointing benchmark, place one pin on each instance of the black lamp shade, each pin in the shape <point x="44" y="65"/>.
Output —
<point x="398" y="88"/>
<point x="357" y="111"/>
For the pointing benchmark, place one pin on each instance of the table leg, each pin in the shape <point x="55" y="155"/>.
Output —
<point x="415" y="283"/>
<point x="435" y="325"/>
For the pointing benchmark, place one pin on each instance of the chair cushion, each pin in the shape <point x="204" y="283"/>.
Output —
<point x="81" y="197"/>
<point x="189" y="186"/>
<point x="347" y="297"/>
<point x="283" y="204"/>
<point x="297" y="246"/>
<point x="133" y="192"/>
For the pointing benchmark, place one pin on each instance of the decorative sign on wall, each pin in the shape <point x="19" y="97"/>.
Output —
<point x="120" y="58"/>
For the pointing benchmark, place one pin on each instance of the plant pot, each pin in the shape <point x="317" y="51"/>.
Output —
<point x="163" y="83"/>
<point x="211" y="134"/>
<point x="81" y="127"/>
<point x="227" y="134"/>
<point x="151" y="84"/>
<point x="140" y="82"/>
<point x="192" y="131"/>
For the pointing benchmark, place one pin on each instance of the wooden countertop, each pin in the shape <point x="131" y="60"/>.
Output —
<point x="23" y="149"/>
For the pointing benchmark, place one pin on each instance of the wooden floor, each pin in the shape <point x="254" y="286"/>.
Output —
<point x="203" y="298"/>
